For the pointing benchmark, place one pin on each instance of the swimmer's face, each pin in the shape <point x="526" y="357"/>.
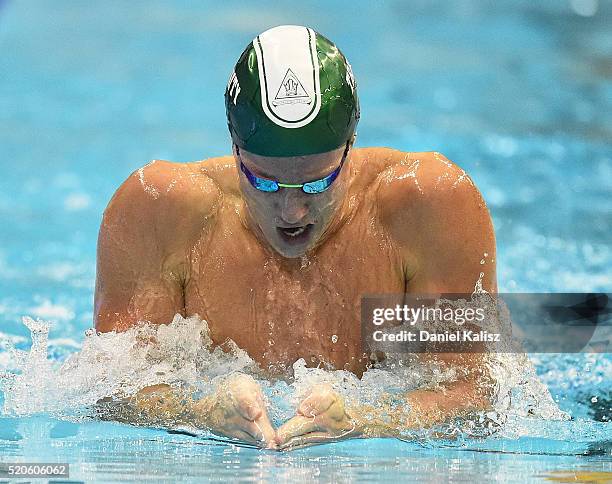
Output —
<point x="290" y="220"/>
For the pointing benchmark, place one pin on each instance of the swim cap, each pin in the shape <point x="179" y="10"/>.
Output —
<point x="292" y="93"/>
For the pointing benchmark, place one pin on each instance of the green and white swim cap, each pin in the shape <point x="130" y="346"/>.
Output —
<point x="292" y="93"/>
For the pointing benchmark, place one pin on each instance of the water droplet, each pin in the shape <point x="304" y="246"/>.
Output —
<point x="482" y="261"/>
<point x="334" y="338"/>
<point x="594" y="400"/>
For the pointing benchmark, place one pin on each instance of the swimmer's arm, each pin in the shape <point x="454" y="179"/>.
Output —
<point x="156" y="404"/>
<point x="425" y="408"/>
<point x="160" y="405"/>
<point x="236" y="409"/>
<point x="144" y="242"/>
<point x="440" y="225"/>
<point x="443" y="229"/>
<point x="325" y="416"/>
<point x="469" y="393"/>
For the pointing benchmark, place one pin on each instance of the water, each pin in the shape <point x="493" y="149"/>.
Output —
<point x="517" y="93"/>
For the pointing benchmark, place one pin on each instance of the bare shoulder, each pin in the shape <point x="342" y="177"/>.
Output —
<point x="168" y="184"/>
<point x="222" y="171"/>
<point x="422" y="177"/>
<point x="425" y="199"/>
<point x="164" y="198"/>
<point x="368" y="163"/>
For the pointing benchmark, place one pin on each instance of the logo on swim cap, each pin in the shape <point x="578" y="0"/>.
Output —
<point x="292" y="93"/>
<point x="287" y="61"/>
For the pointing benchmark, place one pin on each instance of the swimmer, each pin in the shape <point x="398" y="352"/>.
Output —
<point x="275" y="245"/>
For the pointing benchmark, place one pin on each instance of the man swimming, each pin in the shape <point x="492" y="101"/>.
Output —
<point x="275" y="245"/>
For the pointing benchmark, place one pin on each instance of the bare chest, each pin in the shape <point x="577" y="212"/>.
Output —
<point x="279" y="313"/>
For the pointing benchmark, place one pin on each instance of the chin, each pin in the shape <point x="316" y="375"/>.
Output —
<point x="288" y="251"/>
<point x="291" y="252"/>
<point x="290" y="248"/>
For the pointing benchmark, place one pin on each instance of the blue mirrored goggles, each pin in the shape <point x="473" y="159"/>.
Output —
<point x="315" y="186"/>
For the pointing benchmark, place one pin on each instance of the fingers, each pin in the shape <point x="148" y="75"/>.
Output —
<point x="267" y="431"/>
<point x="251" y="407"/>
<point x="238" y="434"/>
<point x="259" y="431"/>
<point x="302" y="430"/>
<point x="297" y="426"/>
<point x="318" y="402"/>
<point x="252" y="415"/>
<point x="314" y="437"/>
<point x="260" y="427"/>
<point x="320" y="418"/>
<point x="323" y="401"/>
<point x="305" y="440"/>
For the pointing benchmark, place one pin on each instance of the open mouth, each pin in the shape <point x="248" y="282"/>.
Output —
<point x="295" y="235"/>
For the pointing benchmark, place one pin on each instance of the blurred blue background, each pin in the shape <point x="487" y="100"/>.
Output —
<point x="516" y="92"/>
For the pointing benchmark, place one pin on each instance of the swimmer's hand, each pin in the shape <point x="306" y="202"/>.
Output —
<point x="321" y="417"/>
<point x="237" y="410"/>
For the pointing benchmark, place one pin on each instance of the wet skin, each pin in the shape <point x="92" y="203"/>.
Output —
<point x="197" y="238"/>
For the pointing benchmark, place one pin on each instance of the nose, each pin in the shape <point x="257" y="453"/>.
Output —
<point x="293" y="207"/>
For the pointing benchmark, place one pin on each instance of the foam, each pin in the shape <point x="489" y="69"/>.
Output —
<point x="182" y="353"/>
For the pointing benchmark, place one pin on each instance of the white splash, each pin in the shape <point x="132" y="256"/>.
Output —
<point x="181" y="352"/>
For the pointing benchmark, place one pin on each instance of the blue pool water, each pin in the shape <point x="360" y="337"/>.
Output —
<point x="518" y="93"/>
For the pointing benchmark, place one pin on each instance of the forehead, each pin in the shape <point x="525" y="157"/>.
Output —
<point x="293" y="168"/>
